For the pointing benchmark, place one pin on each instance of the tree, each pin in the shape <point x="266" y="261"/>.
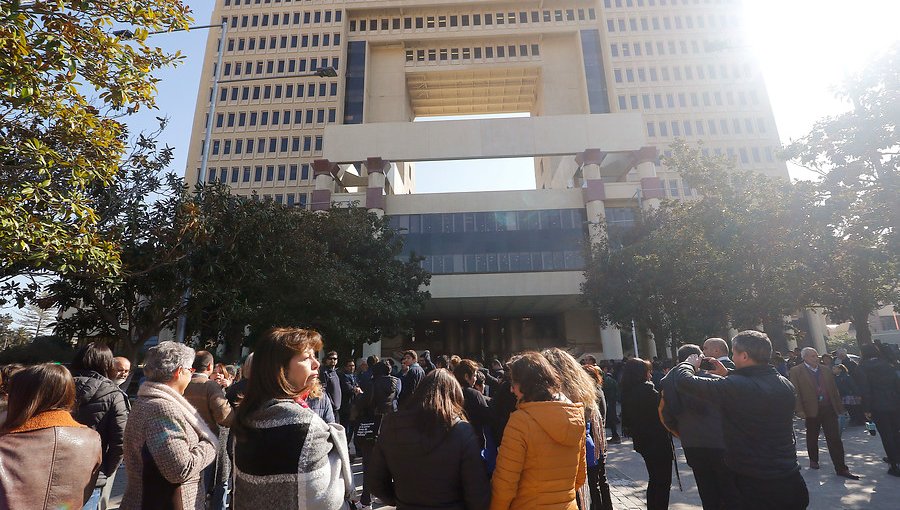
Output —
<point x="56" y="142"/>
<point x="856" y="231"/>
<point x="267" y="265"/>
<point x="154" y="221"/>
<point x="663" y="275"/>
<point x="690" y="268"/>
<point x="10" y="337"/>
<point x="36" y="320"/>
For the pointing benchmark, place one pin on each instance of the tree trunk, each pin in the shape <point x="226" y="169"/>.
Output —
<point x="234" y="342"/>
<point x="774" y="328"/>
<point x="860" y="322"/>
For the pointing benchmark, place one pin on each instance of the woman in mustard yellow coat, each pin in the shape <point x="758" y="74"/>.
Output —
<point x="541" y="462"/>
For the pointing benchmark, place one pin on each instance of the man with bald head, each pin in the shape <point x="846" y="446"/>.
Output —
<point x="718" y="348"/>
<point x="819" y="402"/>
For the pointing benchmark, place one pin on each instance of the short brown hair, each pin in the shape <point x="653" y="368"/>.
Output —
<point x="537" y="380"/>
<point x="465" y="368"/>
<point x="410" y="352"/>
<point x="36" y="389"/>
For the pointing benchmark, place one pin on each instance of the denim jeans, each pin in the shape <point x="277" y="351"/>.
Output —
<point x="93" y="503"/>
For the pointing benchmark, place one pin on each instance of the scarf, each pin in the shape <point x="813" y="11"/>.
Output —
<point x="158" y="390"/>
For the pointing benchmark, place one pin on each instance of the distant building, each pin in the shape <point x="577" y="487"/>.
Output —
<point x="608" y="84"/>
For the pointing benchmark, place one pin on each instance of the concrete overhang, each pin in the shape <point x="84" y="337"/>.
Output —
<point x="503" y="294"/>
<point x="559" y="135"/>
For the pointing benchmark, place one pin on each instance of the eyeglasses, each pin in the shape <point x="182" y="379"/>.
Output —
<point x="331" y="359"/>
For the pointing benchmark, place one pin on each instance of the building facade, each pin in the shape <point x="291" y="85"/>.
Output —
<point x="608" y="85"/>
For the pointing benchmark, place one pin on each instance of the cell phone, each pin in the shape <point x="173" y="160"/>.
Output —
<point x="707" y="364"/>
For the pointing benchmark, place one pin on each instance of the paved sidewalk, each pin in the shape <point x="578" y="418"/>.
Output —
<point x="628" y="477"/>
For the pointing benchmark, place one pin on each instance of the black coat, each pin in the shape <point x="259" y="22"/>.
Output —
<point x="640" y="415"/>
<point x="477" y="412"/>
<point x="331" y="382"/>
<point x="410" y="381"/>
<point x="757" y="406"/>
<point x="879" y="386"/>
<point x="412" y="470"/>
<point x="102" y="406"/>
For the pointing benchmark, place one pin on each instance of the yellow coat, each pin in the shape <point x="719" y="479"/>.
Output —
<point x="542" y="460"/>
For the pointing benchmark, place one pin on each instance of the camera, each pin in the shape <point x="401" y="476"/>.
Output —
<point x="707" y="364"/>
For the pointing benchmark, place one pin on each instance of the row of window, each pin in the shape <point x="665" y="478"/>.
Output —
<point x="711" y="127"/>
<point x="274" y="67"/>
<point x="683" y="47"/>
<point x="609" y="4"/>
<point x="650" y="102"/>
<point x="515" y="262"/>
<point x="504" y="221"/>
<point x="283" y="42"/>
<point x="679" y="73"/>
<point x="284" y="19"/>
<point x="286" y="91"/>
<point x="273" y="173"/>
<point x="700" y="22"/>
<point x="236" y="3"/>
<point x="745" y="155"/>
<point x="311" y="145"/>
<point x="443" y="21"/>
<point x="311" y="117"/>
<point x="487" y="52"/>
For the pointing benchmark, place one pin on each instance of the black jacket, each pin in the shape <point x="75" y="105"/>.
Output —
<point x="412" y="470"/>
<point x="879" y="386"/>
<point x="348" y="390"/>
<point x="102" y="406"/>
<point x="410" y="381"/>
<point x="477" y="412"/>
<point x="698" y="423"/>
<point x="380" y="397"/>
<point x="331" y="382"/>
<point x="640" y="415"/>
<point x="757" y="406"/>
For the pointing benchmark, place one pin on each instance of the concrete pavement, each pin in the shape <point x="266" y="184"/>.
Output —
<point x="876" y="490"/>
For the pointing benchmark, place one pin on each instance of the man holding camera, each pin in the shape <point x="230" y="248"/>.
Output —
<point x="757" y="407"/>
<point x="698" y="423"/>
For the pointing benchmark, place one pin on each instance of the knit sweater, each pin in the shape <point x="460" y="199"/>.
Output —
<point x="288" y="457"/>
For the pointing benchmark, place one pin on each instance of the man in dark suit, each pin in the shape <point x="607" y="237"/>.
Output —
<point x="331" y="381"/>
<point x="819" y="402"/>
<point x="718" y="348"/>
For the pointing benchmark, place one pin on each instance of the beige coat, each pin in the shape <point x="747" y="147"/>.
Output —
<point x="807" y="395"/>
<point x="167" y="446"/>
<point x="209" y="400"/>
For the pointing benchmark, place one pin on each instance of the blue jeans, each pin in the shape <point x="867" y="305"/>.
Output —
<point x="93" y="503"/>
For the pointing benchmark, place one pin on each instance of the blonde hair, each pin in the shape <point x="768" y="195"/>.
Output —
<point x="576" y="384"/>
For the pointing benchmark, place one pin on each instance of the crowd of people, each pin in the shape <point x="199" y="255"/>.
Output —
<point x="431" y="432"/>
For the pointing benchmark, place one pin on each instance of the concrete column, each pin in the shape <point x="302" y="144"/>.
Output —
<point x="816" y="326"/>
<point x="651" y="187"/>
<point x="323" y="171"/>
<point x="647" y="345"/>
<point x="594" y="190"/>
<point x="514" y="335"/>
<point x="611" y="340"/>
<point x="376" y="168"/>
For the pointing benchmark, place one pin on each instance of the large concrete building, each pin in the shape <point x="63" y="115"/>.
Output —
<point x="608" y="85"/>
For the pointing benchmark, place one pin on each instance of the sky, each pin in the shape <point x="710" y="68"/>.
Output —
<point x="805" y="49"/>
